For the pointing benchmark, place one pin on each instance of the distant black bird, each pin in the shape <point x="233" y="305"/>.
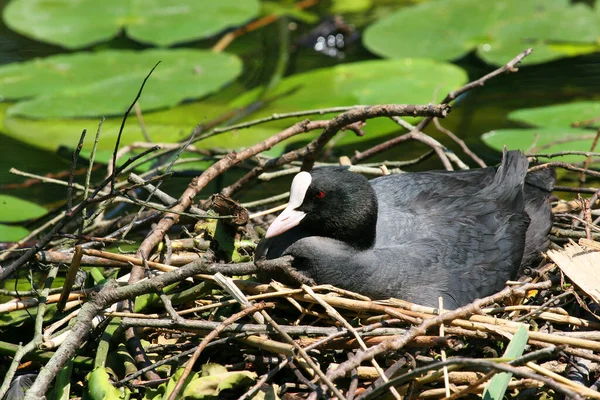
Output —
<point x="415" y="236"/>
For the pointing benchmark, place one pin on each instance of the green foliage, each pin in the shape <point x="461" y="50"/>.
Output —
<point x="496" y="387"/>
<point x="76" y="24"/>
<point x="499" y="30"/>
<point x="212" y="380"/>
<point x="559" y="115"/>
<point x="100" y="388"/>
<point x="166" y="126"/>
<point x="526" y="139"/>
<point x="551" y="129"/>
<point x="362" y="83"/>
<point x="9" y="233"/>
<point x="14" y="209"/>
<point x="104" y="83"/>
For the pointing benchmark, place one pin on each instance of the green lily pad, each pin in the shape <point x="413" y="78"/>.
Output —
<point x="165" y="126"/>
<point x="560" y="115"/>
<point x="414" y="81"/>
<point x="498" y="30"/>
<point x="525" y="139"/>
<point x="14" y="209"/>
<point x="76" y="24"/>
<point x="441" y="29"/>
<point x="105" y="83"/>
<point x="554" y="29"/>
<point x="9" y="233"/>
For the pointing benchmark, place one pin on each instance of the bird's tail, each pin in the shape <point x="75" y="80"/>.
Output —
<point x="507" y="185"/>
<point x="537" y="190"/>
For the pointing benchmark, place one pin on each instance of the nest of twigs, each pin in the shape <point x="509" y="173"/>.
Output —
<point x="188" y="299"/>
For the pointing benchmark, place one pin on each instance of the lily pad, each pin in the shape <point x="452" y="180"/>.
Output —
<point x="104" y="83"/>
<point x="498" y="30"/>
<point x="555" y="138"/>
<point x="441" y="29"/>
<point x="10" y="233"/>
<point x="414" y="81"/>
<point x="554" y="29"/>
<point x="560" y="115"/>
<point x="166" y="126"/>
<point x="14" y="209"/>
<point x="76" y="24"/>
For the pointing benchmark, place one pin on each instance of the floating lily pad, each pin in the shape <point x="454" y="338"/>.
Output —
<point x="560" y="115"/>
<point x="412" y="81"/>
<point x="525" y="139"/>
<point x="75" y="24"/>
<point x="14" y="209"/>
<point x="168" y="126"/>
<point x="554" y="29"/>
<point x="499" y="30"/>
<point x="9" y="233"/>
<point x="105" y="83"/>
<point x="442" y="30"/>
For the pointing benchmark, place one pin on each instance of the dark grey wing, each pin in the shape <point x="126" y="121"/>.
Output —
<point x="537" y="191"/>
<point x="473" y="240"/>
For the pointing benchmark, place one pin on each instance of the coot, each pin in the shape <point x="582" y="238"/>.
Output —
<point x="415" y="236"/>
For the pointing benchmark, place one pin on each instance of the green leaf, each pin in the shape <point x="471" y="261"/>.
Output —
<point x="418" y="81"/>
<point x="75" y="24"/>
<point x="14" y="209"/>
<point x="553" y="28"/>
<point x="430" y="29"/>
<point x="498" y="30"/>
<point x="9" y="233"/>
<point x="559" y="115"/>
<point x="165" y="126"/>
<point x="62" y="386"/>
<point x="105" y="83"/>
<point x="350" y="6"/>
<point x="100" y="388"/>
<point x="524" y="139"/>
<point x="214" y="379"/>
<point x="497" y="385"/>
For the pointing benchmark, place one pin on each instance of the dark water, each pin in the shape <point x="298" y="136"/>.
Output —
<point x="477" y="112"/>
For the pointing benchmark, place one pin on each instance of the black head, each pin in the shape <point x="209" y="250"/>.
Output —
<point x="331" y="202"/>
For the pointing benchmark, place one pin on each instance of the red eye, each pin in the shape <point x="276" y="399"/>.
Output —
<point x="320" y="194"/>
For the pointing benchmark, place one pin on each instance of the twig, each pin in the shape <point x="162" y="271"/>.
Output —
<point x="213" y="334"/>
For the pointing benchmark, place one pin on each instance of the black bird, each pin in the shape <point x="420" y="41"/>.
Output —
<point x="415" y="236"/>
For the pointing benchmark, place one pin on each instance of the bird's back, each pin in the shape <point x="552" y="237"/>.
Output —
<point x="463" y="232"/>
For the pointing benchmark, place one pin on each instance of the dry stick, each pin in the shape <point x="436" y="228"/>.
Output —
<point x="460" y="142"/>
<point x="113" y="166"/>
<point x="70" y="279"/>
<point x="336" y="315"/>
<point x="256" y="24"/>
<point x="509" y="67"/>
<point x="201" y="181"/>
<point x="7" y="271"/>
<point x="398" y="343"/>
<point x="110" y="294"/>
<point x="589" y="158"/>
<point x="566" y="166"/>
<point x="275" y="117"/>
<point x="534" y="355"/>
<point x="331" y="127"/>
<point x="211" y="336"/>
<point x="361" y="114"/>
<point x="234" y="158"/>
<point x="174" y="358"/>
<point x="326" y="381"/>
<point x="22" y="351"/>
<point x="72" y="171"/>
<point x="570" y="391"/>
<point x="436" y="146"/>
